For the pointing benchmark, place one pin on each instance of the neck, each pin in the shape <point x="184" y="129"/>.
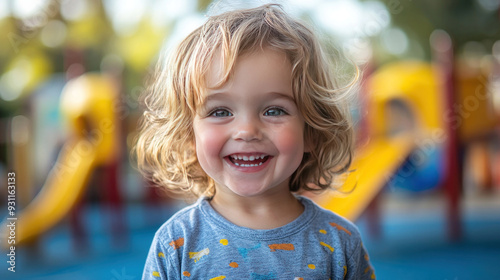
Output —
<point x="259" y="212"/>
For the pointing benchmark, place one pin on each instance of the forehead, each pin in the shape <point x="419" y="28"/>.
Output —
<point x="263" y="69"/>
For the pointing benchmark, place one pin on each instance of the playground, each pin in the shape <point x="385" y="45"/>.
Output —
<point x="423" y="187"/>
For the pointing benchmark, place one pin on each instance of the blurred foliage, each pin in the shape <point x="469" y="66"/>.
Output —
<point x="92" y="36"/>
<point x="464" y="20"/>
<point x="96" y="38"/>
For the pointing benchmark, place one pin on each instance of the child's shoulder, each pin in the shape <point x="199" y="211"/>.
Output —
<point x="183" y="221"/>
<point x="327" y="214"/>
<point x="330" y="222"/>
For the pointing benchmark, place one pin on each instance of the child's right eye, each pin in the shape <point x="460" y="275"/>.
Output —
<point x="220" y="113"/>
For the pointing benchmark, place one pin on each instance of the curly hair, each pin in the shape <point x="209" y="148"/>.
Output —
<point x="165" y="148"/>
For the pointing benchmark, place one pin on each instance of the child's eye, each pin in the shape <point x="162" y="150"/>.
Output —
<point x="220" y="113"/>
<point x="275" y="111"/>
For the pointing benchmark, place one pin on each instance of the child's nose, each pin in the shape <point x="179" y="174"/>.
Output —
<point x="248" y="129"/>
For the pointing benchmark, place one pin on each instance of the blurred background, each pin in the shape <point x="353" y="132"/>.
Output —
<point x="427" y="167"/>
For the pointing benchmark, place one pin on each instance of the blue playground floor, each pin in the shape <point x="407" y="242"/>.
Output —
<point x="413" y="245"/>
<point x="416" y="246"/>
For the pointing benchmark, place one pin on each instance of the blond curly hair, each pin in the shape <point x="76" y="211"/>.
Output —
<point x="165" y="148"/>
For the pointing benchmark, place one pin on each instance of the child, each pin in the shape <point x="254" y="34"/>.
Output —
<point x="244" y="115"/>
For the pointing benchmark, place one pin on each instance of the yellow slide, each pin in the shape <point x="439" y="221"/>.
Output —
<point x="87" y="102"/>
<point x="63" y="187"/>
<point x="372" y="167"/>
<point x="403" y="96"/>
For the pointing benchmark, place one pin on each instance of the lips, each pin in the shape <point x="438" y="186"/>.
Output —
<point x="248" y="160"/>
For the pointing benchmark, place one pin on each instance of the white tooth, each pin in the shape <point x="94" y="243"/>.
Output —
<point x="260" y="163"/>
<point x="237" y="164"/>
<point x="234" y="157"/>
<point x="251" y="158"/>
<point x="240" y="158"/>
<point x="245" y="158"/>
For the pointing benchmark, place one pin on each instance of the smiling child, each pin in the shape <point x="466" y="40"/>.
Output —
<point x="244" y="114"/>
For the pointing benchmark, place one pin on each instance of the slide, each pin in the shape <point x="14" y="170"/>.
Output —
<point x="403" y="96"/>
<point x="372" y="166"/>
<point x="64" y="186"/>
<point x="88" y="104"/>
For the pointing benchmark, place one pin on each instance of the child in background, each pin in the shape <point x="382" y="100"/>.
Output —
<point x="244" y="115"/>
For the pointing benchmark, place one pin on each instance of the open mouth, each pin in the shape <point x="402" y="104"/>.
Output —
<point x="248" y="161"/>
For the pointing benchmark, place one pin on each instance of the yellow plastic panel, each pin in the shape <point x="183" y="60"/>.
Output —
<point x="63" y="187"/>
<point x="87" y="103"/>
<point x="373" y="165"/>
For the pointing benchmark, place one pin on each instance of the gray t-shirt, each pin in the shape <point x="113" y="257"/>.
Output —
<point x="198" y="243"/>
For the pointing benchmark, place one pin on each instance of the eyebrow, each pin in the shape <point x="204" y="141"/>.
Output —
<point x="224" y="95"/>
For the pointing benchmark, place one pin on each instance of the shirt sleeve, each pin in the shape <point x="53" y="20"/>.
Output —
<point x="158" y="263"/>
<point x="359" y="266"/>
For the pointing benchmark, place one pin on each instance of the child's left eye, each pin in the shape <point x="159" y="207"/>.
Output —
<point x="275" y="112"/>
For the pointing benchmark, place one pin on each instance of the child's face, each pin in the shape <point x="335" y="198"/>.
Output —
<point x="249" y="133"/>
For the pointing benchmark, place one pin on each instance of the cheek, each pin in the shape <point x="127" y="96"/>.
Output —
<point x="209" y="143"/>
<point x="290" y="140"/>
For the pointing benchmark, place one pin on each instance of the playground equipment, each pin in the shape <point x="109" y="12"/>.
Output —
<point x="404" y="124"/>
<point x="372" y="167"/>
<point x="422" y="120"/>
<point x="87" y="102"/>
<point x="476" y="122"/>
